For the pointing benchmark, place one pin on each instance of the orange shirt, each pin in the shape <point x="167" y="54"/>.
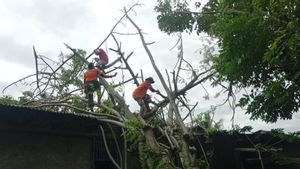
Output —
<point x="141" y="90"/>
<point x="92" y="74"/>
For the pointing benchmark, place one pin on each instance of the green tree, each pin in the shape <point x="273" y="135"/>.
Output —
<point x="7" y="100"/>
<point x="206" y="121"/>
<point x="259" y="44"/>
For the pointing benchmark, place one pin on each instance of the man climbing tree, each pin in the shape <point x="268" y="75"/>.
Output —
<point x="140" y="95"/>
<point x="102" y="60"/>
<point x="91" y="83"/>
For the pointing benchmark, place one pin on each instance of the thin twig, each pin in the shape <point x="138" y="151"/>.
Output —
<point x="116" y="24"/>
<point x="36" y="69"/>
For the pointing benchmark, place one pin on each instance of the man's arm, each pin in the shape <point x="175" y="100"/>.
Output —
<point x="153" y="90"/>
<point x="108" y="76"/>
<point x="103" y="74"/>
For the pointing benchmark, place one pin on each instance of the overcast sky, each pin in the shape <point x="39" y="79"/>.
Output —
<point x="47" y="24"/>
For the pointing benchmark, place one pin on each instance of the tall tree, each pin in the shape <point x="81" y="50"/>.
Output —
<point x="259" y="44"/>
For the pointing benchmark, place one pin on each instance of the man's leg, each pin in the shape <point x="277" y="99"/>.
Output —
<point x="147" y="100"/>
<point x="147" y="107"/>
<point x="101" y="64"/>
<point x="143" y="109"/>
<point x="141" y="103"/>
<point x="99" y="96"/>
<point x="97" y="89"/>
<point x="90" y="96"/>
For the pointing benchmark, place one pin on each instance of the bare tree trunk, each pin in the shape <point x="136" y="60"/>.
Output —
<point x="187" y="159"/>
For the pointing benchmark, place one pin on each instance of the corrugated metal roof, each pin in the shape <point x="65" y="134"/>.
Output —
<point x="40" y="110"/>
<point x="28" y="119"/>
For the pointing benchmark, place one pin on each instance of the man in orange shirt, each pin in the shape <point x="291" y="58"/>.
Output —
<point x="140" y="94"/>
<point x="91" y="83"/>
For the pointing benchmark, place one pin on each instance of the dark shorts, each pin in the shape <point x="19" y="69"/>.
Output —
<point x="142" y="100"/>
<point x="93" y="86"/>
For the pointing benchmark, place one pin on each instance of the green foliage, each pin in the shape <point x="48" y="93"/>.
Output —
<point x="279" y="133"/>
<point x="71" y="75"/>
<point x="111" y="105"/>
<point x="276" y="152"/>
<point x="26" y="97"/>
<point x="78" y="103"/>
<point x="246" y="129"/>
<point x="133" y="132"/>
<point x="135" y="138"/>
<point x="8" y="100"/>
<point x="205" y="120"/>
<point x="174" y="17"/>
<point x="156" y="158"/>
<point x="260" y="49"/>
<point x="239" y="129"/>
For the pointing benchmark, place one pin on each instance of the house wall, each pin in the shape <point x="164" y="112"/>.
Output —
<point x="38" y="151"/>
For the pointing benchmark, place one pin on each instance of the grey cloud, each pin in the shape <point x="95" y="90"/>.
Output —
<point x="15" y="52"/>
<point x="14" y="90"/>
<point x="51" y="16"/>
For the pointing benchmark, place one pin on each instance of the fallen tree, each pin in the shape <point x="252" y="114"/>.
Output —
<point x="163" y="140"/>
